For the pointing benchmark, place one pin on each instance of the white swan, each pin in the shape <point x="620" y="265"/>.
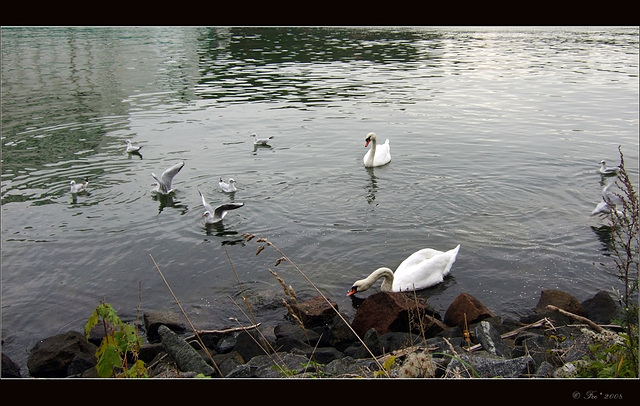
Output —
<point x="376" y="156"/>
<point x="132" y="148"/>
<point x="608" y="170"/>
<point x="228" y="187"/>
<point x="420" y="270"/>
<point x="212" y="215"/>
<point x="260" y="141"/>
<point x="164" y="182"/>
<point x="75" y="188"/>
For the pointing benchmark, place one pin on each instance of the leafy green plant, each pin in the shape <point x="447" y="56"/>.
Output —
<point x="608" y="358"/>
<point x="120" y="343"/>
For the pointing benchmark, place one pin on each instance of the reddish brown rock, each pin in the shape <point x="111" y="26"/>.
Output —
<point x="469" y="306"/>
<point x="561" y="300"/>
<point x="390" y="311"/>
<point x="315" y="311"/>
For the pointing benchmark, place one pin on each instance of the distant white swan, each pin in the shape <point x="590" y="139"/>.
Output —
<point x="610" y="201"/>
<point x="420" y="270"/>
<point x="212" y="215"/>
<point x="608" y="170"/>
<point x="228" y="187"/>
<point x="132" y="148"/>
<point x="377" y="155"/>
<point x="164" y="181"/>
<point x="77" y="188"/>
<point x="260" y="141"/>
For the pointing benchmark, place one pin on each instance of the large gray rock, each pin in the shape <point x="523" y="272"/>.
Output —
<point x="186" y="357"/>
<point x="491" y="341"/>
<point x="477" y="365"/>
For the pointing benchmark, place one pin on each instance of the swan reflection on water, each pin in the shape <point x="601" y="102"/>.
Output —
<point x="371" y="187"/>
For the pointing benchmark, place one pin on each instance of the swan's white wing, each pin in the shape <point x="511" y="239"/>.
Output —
<point x="423" y="269"/>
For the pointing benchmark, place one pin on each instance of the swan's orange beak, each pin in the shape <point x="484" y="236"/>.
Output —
<point x="352" y="291"/>
<point x="366" y="144"/>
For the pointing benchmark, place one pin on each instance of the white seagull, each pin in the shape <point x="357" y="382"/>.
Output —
<point x="610" y="201"/>
<point x="164" y="182"/>
<point x="228" y="187"/>
<point x="216" y="215"/>
<point x="132" y="148"/>
<point x="260" y="141"/>
<point x="608" y="170"/>
<point x="75" y="188"/>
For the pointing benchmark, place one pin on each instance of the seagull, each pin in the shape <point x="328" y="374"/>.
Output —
<point x="608" y="170"/>
<point x="132" y="148"/>
<point x="216" y="215"/>
<point x="610" y="201"/>
<point x="260" y="141"/>
<point x="164" y="182"/>
<point x="228" y="187"/>
<point x="74" y="188"/>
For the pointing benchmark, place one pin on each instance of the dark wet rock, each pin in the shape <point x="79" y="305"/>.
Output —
<point x="9" y="368"/>
<point x="186" y="357"/>
<point x="466" y="310"/>
<point x="559" y="299"/>
<point x="250" y="344"/>
<point x="52" y="357"/>
<point x="601" y="308"/>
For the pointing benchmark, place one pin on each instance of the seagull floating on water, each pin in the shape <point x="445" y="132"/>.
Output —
<point x="132" y="148"/>
<point x="164" y="182"/>
<point x="608" y="170"/>
<point x="216" y="215"/>
<point x="610" y="201"/>
<point x="75" y="188"/>
<point x="228" y="187"/>
<point x="260" y="141"/>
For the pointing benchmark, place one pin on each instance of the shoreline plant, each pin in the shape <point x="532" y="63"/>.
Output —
<point x="617" y="357"/>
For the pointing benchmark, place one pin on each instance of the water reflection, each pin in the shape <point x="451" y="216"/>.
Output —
<point x="371" y="187"/>
<point x="604" y="234"/>
<point x="169" y="201"/>
<point x="219" y="230"/>
<point x="132" y="154"/>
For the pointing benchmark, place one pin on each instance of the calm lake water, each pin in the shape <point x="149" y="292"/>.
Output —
<point x="496" y="134"/>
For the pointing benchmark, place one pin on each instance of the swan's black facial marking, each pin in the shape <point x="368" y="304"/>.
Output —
<point x="352" y="291"/>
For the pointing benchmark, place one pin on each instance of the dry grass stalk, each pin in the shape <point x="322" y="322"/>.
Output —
<point x="284" y="257"/>
<point x="185" y="316"/>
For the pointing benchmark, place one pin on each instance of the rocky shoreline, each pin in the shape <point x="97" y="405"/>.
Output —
<point x="398" y="336"/>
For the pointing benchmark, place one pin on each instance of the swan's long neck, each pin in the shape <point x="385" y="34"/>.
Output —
<point x="387" y="282"/>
